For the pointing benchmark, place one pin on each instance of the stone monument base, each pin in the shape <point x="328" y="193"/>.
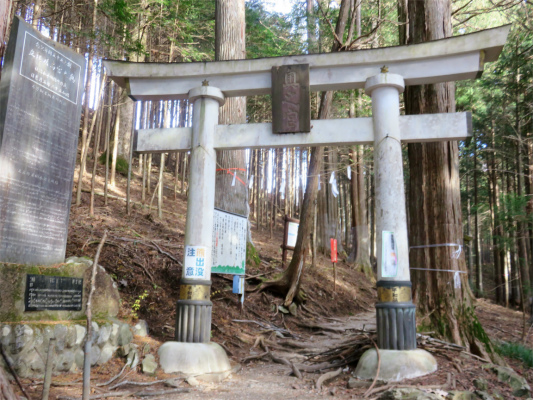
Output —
<point x="207" y="360"/>
<point x="395" y="365"/>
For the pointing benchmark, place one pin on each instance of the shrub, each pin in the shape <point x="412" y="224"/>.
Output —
<point x="517" y="351"/>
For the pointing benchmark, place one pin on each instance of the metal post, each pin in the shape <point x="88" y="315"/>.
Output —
<point x="193" y="313"/>
<point x="395" y="309"/>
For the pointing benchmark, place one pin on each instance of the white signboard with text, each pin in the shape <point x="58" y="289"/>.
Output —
<point x="292" y="234"/>
<point x="229" y="243"/>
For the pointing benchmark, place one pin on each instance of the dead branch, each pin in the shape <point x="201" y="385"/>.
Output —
<point x="476" y="357"/>
<point x="327" y="376"/>
<point x="165" y="253"/>
<point x="88" y="311"/>
<point x="270" y="327"/>
<point x="381" y="389"/>
<point x="284" y="361"/>
<point x="98" y="396"/>
<point x="377" y="371"/>
<point x="316" y="367"/>
<point x="12" y="371"/>
<point x="162" y="392"/>
<point x="144" y="269"/>
<point x="153" y="246"/>
<point x="258" y="356"/>
<point x="133" y="383"/>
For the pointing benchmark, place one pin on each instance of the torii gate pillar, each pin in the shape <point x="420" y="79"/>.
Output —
<point x="396" y="325"/>
<point x="192" y="351"/>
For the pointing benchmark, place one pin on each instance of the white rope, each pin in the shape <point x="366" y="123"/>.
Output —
<point x="440" y="270"/>
<point x="456" y="254"/>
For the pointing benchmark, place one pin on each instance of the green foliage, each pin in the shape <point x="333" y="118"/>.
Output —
<point x="252" y="256"/>
<point x="512" y="211"/>
<point x="137" y="304"/>
<point x="517" y="351"/>
<point x="473" y="328"/>
<point x="122" y="163"/>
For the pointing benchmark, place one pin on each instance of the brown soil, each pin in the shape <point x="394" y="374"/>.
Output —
<point x="141" y="254"/>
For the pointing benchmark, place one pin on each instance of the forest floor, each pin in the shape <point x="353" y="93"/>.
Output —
<point x="143" y="254"/>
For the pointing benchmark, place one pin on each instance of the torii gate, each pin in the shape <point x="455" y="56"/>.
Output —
<point x="452" y="59"/>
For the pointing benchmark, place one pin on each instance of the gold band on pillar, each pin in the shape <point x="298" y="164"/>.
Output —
<point x="394" y="294"/>
<point x="194" y="292"/>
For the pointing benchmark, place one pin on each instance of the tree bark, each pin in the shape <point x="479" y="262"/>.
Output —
<point x="289" y="283"/>
<point x="84" y="141"/>
<point x="435" y="204"/>
<point x="5" y="21"/>
<point x="6" y="390"/>
<point x="230" y="45"/>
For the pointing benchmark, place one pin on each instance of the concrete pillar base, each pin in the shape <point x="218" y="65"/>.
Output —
<point x="396" y="365"/>
<point x="194" y="359"/>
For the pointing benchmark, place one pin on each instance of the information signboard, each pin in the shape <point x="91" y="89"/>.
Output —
<point x="45" y="292"/>
<point x="229" y="243"/>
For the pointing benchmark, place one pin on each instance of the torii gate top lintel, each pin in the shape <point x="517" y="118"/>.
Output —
<point x="451" y="59"/>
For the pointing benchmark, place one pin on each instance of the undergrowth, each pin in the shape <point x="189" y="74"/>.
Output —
<point x="122" y="163"/>
<point x="517" y="351"/>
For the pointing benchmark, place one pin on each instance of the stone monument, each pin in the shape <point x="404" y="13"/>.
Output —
<point x="40" y="107"/>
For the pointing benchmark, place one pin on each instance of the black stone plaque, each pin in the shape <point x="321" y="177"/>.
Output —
<point x="291" y="105"/>
<point x="40" y="108"/>
<point x="44" y="292"/>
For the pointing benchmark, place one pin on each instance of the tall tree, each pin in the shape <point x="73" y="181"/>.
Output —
<point x="289" y="283"/>
<point x="230" y="45"/>
<point x="434" y="200"/>
<point x="5" y="19"/>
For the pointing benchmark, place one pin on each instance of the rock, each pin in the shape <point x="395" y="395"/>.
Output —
<point x="95" y="354"/>
<point x="174" y="382"/>
<point x="149" y="365"/>
<point x="47" y="334"/>
<point x="140" y="328"/>
<point x="481" y="384"/>
<point x="5" y="335"/>
<point x="31" y="365"/>
<point x="497" y="396"/>
<point x="38" y="340"/>
<point x="408" y="394"/>
<point x="79" y="260"/>
<point x="114" y="334"/>
<point x="133" y="358"/>
<point x="517" y="383"/>
<point x="124" y="336"/>
<point x="106" y="354"/>
<point x="64" y="361"/>
<point x="461" y="395"/>
<point x="80" y="334"/>
<point x="23" y="339"/>
<point x="483" y="395"/>
<point x="70" y="340"/>
<point x="60" y="333"/>
<point x="356" y="383"/>
<point x="146" y="348"/>
<point x="124" y="350"/>
<point x="192" y="381"/>
<point x="78" y="358"/>
<point x="95" y="332"/>
<point x="105" y="334"/>
<point x="293" y="309"/>
<point x="283" y="309"/>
